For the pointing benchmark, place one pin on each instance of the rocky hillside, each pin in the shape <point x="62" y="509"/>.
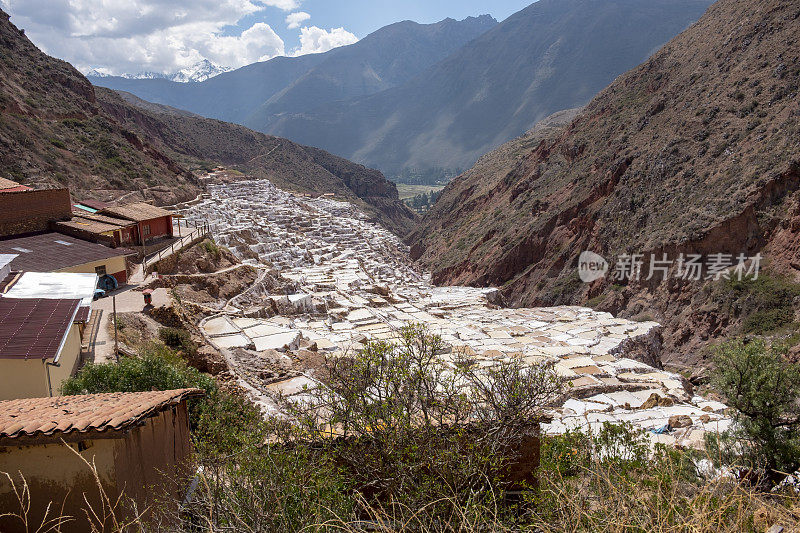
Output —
<point x="253" y="94"/>
<point x="552" y="55"/>
<point x="53" y="131"/>
<point x="56" y="129"/>
<point x="198" y="142"/>
<point x="697" y="150"/>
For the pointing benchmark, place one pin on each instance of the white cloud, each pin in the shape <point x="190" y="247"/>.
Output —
<point x="314" y="40"/>
<point x="286" y="5"/>
<point x="257" y="43"/>
<point x="293" y="20"/>
<point x="129" y="36"/>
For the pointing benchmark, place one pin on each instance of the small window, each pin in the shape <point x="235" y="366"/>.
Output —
<point x="101" y="270"/>
<point x="147" y="229"/>
<point x="23" y="250"/>
<point x="65" y="243"/>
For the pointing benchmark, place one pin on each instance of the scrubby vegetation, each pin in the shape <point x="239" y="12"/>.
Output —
<point x="179" y="339"/>
<point x="394" y="441"/>
<point x="763" y="387"/>
<point x="157" y="367"/>
<point x="765" y="303"/>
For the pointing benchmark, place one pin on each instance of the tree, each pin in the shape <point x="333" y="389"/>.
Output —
<point x="413" y="431"/>
<point x="764" y="389"/>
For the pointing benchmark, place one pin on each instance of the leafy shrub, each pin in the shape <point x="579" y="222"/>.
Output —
<point x="156" y="368"/>
<point x="178" y="338"/>
<point x="417" y="434"/>
<point x="73" y="123"/>
<point x="764" y="389"/>
<point x="211" y="248"/>
<point x="768" y="320"/>
<point x="765" y="303"/>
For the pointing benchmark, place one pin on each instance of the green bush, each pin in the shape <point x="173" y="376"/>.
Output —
<point x="764" y="389"/>
<point x="765" y="303"/>
<point x="251" y="482"/>
<point x="73" y="123"/>
<point x="155" y="368"/>
<point x="768" y="320"/>
<point x="416" y="434"/>
<point x="211" y="248"/>
<point x="178" y="338"/>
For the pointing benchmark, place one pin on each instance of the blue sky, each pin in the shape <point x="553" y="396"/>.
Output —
<point x="131" y="36"/>
<point x="362" y="17"/>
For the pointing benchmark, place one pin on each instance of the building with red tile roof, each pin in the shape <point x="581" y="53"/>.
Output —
<point x="151" y="222"/>
<point x="138" y="442"/>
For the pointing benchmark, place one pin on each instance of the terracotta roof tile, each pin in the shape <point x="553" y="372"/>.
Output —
<point x="63" y="415"/>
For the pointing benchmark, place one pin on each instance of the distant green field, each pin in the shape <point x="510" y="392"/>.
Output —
<point x="410" y="191"/>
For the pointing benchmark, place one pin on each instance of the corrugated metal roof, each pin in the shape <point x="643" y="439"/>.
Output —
<point x="83" y="314"/>
<point x="80" y="208"/>
<point x="34" y="328"/>
<point x="138" y="212"/>
<point x="63" y="415"/>
<point x="5" y="264"/>
<point x="54" y="286"/>
<point x="47" y="252"/>
<point x="94" y="204"/>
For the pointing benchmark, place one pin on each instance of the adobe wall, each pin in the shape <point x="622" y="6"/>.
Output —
<point x="159" y="227"/>
<point x="22" y="378"/>
<point x="29" y="211"/>
<point x="115" y="266"/>
<point x="54" y="473"/>
<point x="134" y="466"/>
<point x="153" y="461"/>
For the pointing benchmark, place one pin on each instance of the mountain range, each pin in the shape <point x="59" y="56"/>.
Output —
<point x="57" y="129"/>
<point x="200" y="71"/>
<point x="437" y="95"/>
<point x="696" y="151"/>
<point x="377" y="62"/>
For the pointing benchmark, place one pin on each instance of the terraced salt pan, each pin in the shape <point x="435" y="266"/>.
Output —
<point x="358" y="276"/>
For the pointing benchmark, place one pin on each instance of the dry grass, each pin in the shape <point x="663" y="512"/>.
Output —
<point x="601" y="496"/>
<point x="602" y="500"/>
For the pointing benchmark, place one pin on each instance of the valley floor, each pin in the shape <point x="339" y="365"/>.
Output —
<point x="344" y="280"/>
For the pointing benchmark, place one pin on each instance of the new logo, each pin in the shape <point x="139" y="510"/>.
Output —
<point x="591" y="266"/>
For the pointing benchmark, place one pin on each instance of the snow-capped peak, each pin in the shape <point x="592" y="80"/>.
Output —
<point x="98" y="73"/>
<point x="200" y="71"/>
